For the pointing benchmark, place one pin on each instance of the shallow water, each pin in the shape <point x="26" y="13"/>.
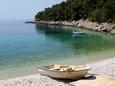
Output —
<point x="25" y="46"/>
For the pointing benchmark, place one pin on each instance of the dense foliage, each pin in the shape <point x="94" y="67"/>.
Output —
<point x="94" y="10"/>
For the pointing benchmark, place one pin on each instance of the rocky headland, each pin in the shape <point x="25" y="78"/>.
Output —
<point x="101" y="27"/>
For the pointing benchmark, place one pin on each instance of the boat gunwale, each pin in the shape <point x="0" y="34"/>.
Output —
<point x="44" y="68"/>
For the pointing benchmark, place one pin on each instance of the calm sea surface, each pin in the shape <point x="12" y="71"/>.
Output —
<point x="25" y="46"/>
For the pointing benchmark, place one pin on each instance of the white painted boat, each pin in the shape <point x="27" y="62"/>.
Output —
<point x="79" y="73"/>
<point x="78" y="32"/>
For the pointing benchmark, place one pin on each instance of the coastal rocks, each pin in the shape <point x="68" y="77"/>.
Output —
<point x="102" y="27"/>
<point x="112" y="29"/>
<point x="105" y="27"/>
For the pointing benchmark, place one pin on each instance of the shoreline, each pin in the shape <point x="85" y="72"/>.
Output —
<point x="31" y="69"/>
<point x="89" y="25"/>
<point x="105" y="67"/>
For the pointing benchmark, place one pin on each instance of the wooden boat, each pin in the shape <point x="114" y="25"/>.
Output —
<point x="77" y="74"/>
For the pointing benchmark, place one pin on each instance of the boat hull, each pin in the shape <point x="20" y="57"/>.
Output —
<point x="63" y="75"/>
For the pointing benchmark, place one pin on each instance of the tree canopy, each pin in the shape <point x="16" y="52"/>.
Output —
<point x="94" y="10"/>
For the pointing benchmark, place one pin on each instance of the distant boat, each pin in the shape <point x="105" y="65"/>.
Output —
<point x="77" y="32"/>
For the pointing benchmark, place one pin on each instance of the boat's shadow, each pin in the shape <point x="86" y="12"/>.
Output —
<point x="67" y="81"/>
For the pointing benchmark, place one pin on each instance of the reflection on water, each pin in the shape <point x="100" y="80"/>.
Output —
<point x="59" y="32"/>
<point x="52" y="29"/>
<point x="81" y="40"/>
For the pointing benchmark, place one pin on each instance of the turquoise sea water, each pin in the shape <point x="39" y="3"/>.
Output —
<point x="28" y="45"/>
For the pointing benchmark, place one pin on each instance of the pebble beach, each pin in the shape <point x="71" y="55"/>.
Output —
<point x="104" y="67"/>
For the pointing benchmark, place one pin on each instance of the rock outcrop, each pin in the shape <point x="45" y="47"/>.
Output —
<point x="112" y="29"/>
<point x="102" y="27"/>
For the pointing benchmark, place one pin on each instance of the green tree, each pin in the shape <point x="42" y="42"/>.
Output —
<point x="95" y="10"/>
